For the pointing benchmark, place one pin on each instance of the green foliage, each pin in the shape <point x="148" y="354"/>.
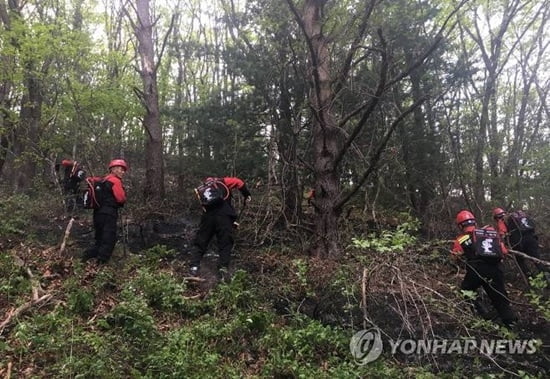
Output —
<point x="301" y="267"/>
<point x="182" y="352"/>
<point x="468" y="294"/>
<point x="539" y="283"/>
<point x="105" y="280"/>
<point x="158" y="253"/>
<point x="390" y="240"/>
<point x="132" y="317"/>
<point x="302" y="348"/>
<point x="42" y="332"/>
<point x="12" y="280"/>
<point x="81" y="301"/>
<point x="14" y="215"/>
<point x="161" y="291"/>
<point x="238" y="294"/>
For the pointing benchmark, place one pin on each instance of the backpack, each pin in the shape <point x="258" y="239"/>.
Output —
<point x="93" y="193"/>
<point x="212" y="192"/>
<point x="521" y="221"/>
<point x="487" y="244"/>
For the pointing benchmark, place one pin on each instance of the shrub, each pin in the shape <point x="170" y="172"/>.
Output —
<point x="161" y="290"/>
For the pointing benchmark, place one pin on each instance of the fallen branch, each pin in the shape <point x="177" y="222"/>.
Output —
<point x="192" y="297"/>
<point x="193" y="279"/>
<point x="537" y="260"/>
<point x="67" y="233"/>
<point x="35" y="286"/>
<point x="36" y="292"/>
<point x="364" y="297"/>
<point x="521" y="273"/>
<point x="23" y="308"/>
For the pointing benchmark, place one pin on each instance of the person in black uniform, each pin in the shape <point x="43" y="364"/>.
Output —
<point x="522" y="237"/>
<point x="483" y="251"/>
<point x="111" y="196"/>
<point x="219" y="218"/>
<point x="72" y="175"/>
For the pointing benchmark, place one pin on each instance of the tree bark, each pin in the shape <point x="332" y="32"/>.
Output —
<point x="326" y="137"/>
<point x="154" y="161"/>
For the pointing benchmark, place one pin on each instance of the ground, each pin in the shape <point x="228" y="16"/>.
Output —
<point x="406" y="295"/>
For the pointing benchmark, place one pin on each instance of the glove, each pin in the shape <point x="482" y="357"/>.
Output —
<point x="248" y="199"/>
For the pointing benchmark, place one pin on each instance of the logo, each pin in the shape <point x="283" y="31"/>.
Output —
<point x="366" y="346"/>
<point x="487" y="246"/>
<point x="209" y="194"/>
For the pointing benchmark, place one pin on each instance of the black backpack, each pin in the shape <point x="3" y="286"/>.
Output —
<point x="487" y="244"/>
<point x="519" y="220"/>
<point x="212" y="192"/>
<point x="93" y="193"/>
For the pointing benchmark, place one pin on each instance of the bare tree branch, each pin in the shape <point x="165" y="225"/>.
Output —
<point x="378" y="152"/>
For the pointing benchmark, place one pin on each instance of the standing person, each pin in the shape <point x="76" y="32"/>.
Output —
<point x="502" y="229"/>
<point x="219" y="218"/>
<point x="111" y="195"/>
<point x="73" y="174"/>
<point x="483" y="251"/>
<point x="522" y="237"/>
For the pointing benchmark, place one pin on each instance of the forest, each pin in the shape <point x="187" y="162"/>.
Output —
<point x="361" y="129"/>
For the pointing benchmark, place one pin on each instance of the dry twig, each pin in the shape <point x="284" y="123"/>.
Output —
<point x="66" y="235"/>
<point x="536" y="260"/>
<point x="21" y="309"/>
<point x="193" y="279"/>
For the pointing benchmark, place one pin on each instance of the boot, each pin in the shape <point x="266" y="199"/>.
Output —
<point x="194" y="271"/>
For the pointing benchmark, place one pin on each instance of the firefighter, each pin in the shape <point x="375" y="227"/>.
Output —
<point x="483" y="251"/>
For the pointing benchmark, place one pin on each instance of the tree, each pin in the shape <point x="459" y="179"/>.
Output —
<point x="266" y="41"/>
<point x="331" y="140"/>
<point x="149" y="97"/>
<point x="500" y="113"/>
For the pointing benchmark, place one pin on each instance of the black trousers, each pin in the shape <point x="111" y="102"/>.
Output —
<point x="214" y="224"/>
<point x="490" y="277"/>
<point x="105" y="237"/>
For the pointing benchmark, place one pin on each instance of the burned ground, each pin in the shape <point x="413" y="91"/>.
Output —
<point x="408" y="294"/>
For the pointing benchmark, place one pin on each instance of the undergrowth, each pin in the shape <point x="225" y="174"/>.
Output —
<point x="138" y="322"/>
<point x="280" y="316"/>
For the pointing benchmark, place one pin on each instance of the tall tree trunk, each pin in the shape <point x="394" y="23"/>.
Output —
<point x="326" y="137"/>
<point x="5" y="87"/>
<point x="21" y="167"/>
<point x="331" y="142"/>
<point x="154" y="163"/>
<point x="288" y="149"/>
<point x="28" y="133"/>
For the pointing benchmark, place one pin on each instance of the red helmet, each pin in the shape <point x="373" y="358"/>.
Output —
<point x="498" y="213"/>
<point x="465" y="218"/>
<point x="118" y="162"/>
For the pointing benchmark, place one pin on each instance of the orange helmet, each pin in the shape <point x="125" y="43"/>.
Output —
<point x="465" y="219"/>
<point x="118" y="162"/>
<point x="498" y="213"/>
